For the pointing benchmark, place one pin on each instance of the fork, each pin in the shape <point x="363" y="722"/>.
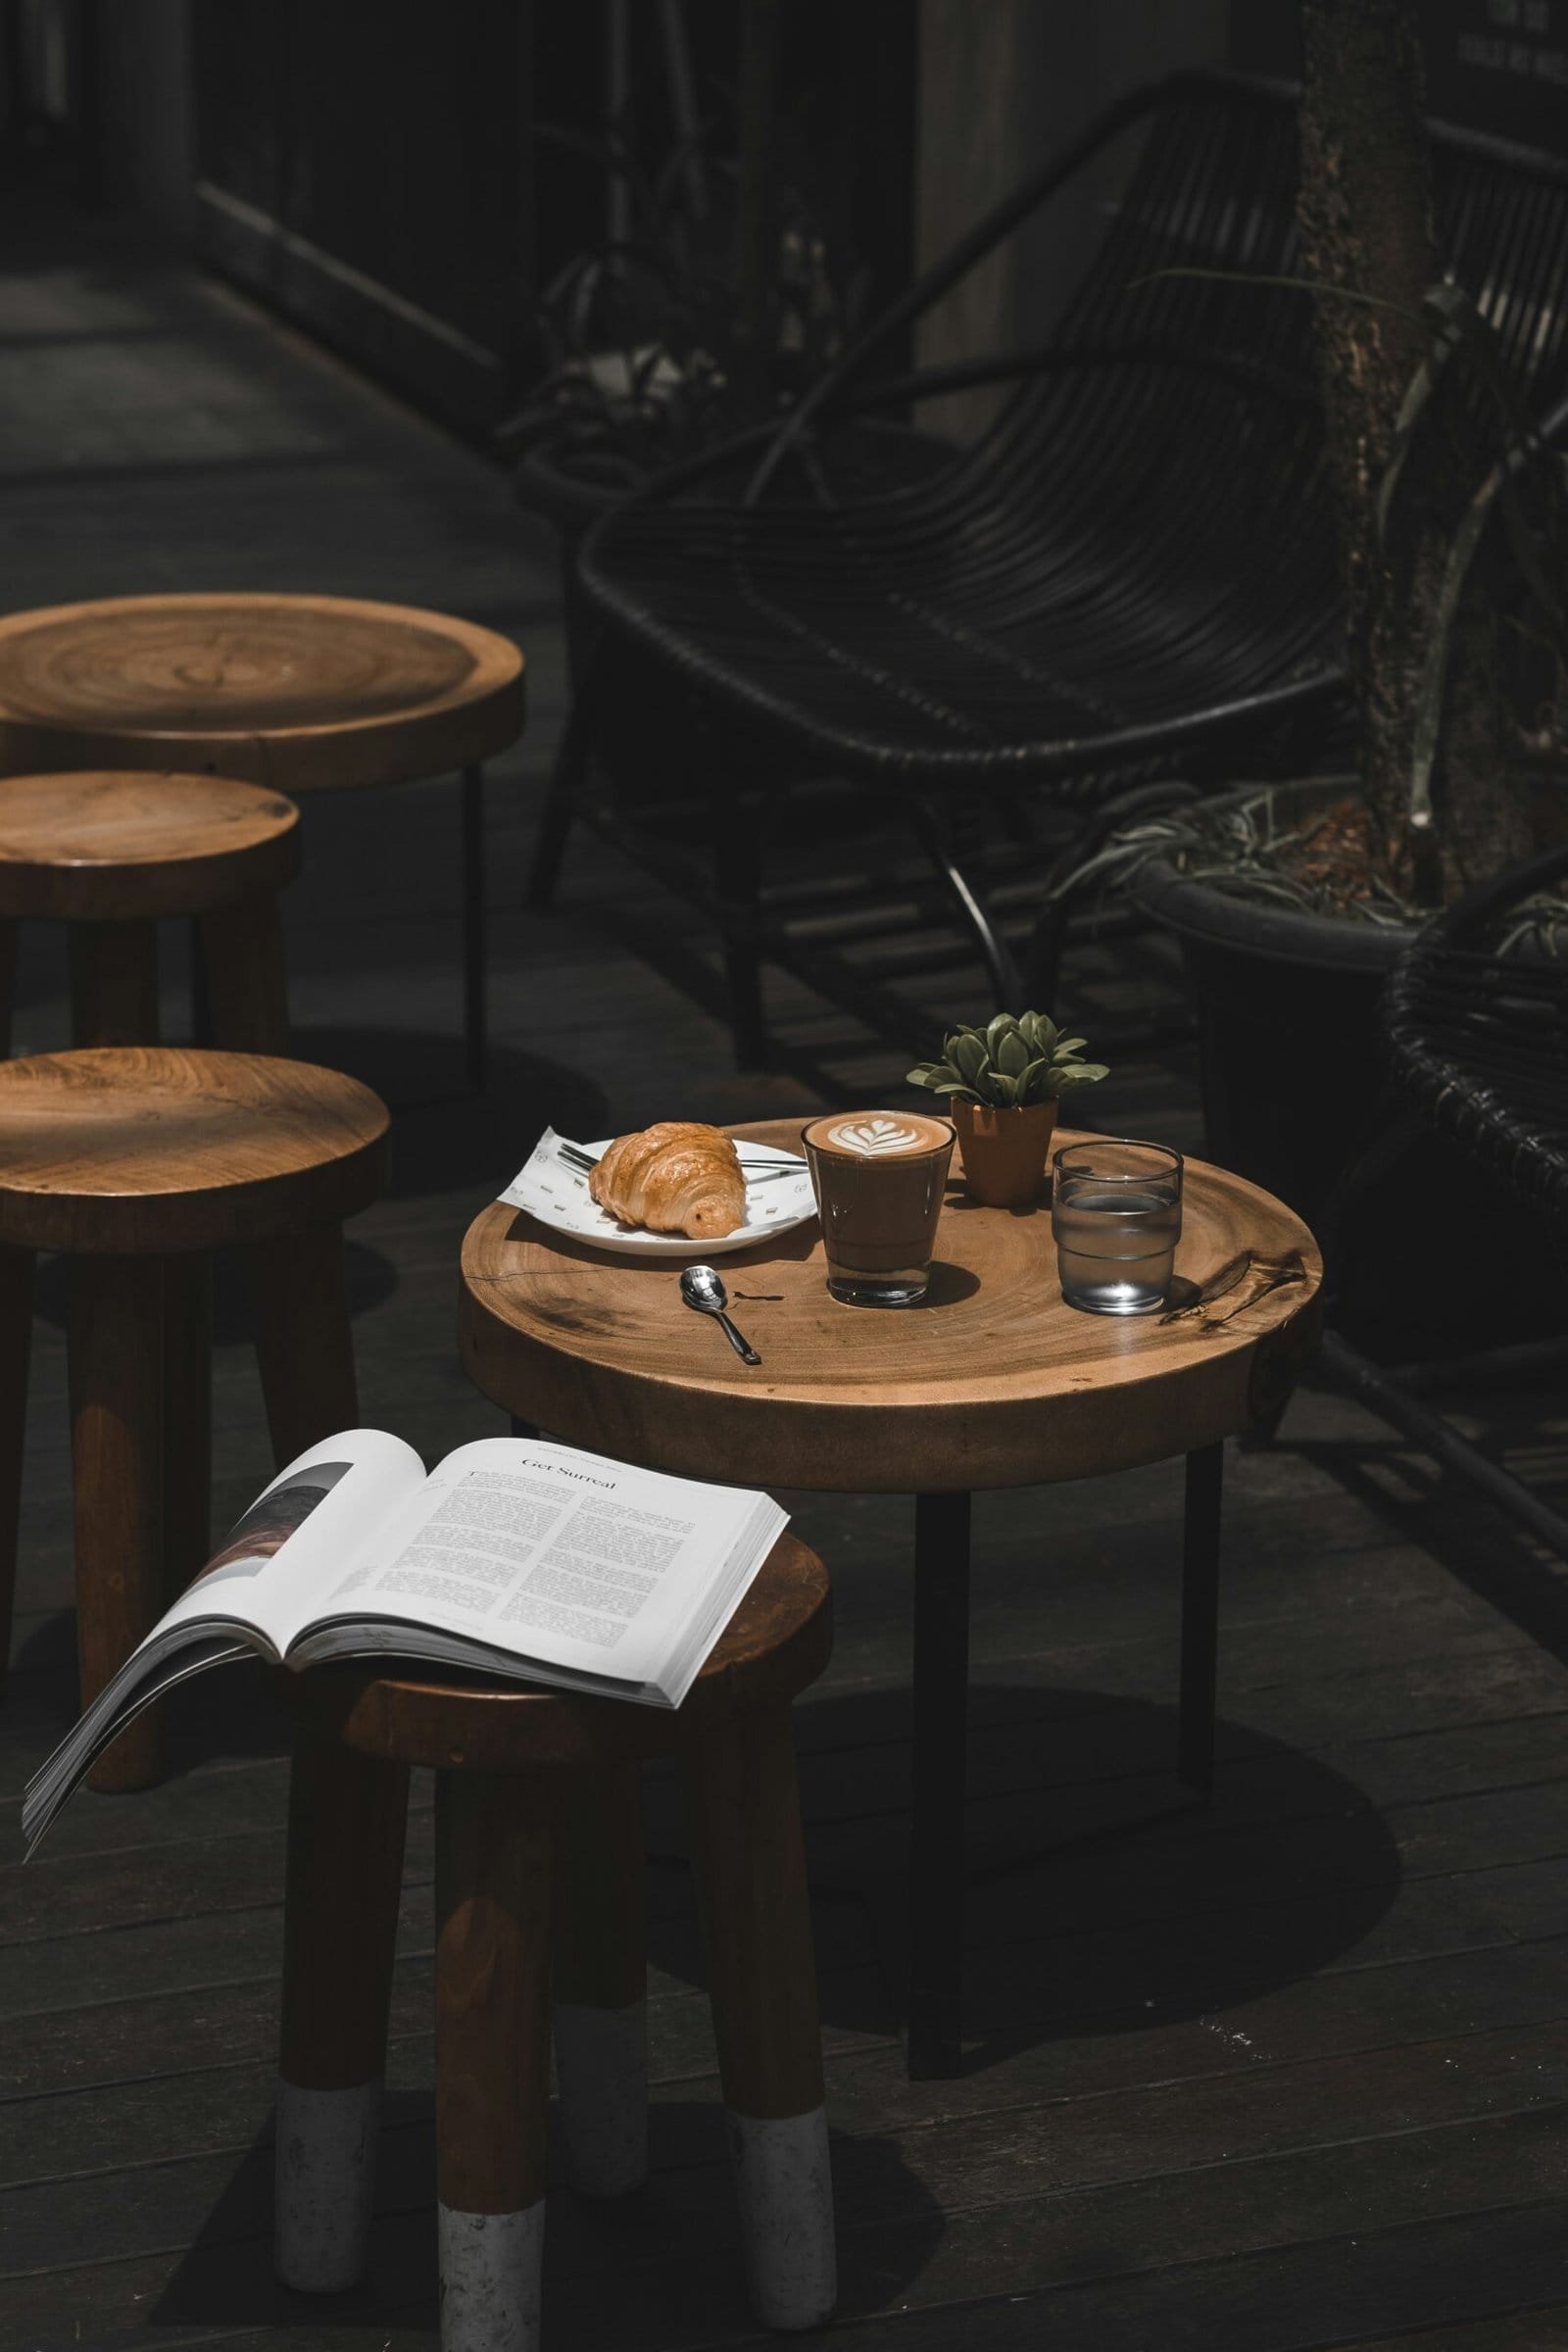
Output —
<point x="759" y="1171"/>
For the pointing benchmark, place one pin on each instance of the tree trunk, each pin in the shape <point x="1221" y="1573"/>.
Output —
<point x="1366" y="221"/>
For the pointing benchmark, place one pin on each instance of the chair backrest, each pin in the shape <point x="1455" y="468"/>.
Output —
<point x="1480" y="1036"/>
<point x="1213" y="190"/>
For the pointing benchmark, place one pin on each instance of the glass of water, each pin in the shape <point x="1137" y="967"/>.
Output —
<point x="1117" y="1212"/>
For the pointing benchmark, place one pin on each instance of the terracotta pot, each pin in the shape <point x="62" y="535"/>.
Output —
<point x="1003" y="1150"/>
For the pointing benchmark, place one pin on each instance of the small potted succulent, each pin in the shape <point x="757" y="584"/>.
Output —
<point x="1003" y="1083"/>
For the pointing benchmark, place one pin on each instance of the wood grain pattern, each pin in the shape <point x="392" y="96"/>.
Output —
<point x="778" y="1641"/>
<point x="757" y="1914"/>
<point x="122" y="847"/>
<point x="346" y="1822"/>
<point x="304" y="1347"/>
<point x="992" y="1382"/>
<point x="163" y="1150"/>
<point x="115" y="1342"/>
<point x="492" y="1990"/>
<point x="300" y="693"/>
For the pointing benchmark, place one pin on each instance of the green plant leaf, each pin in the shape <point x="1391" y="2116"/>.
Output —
<point x="1011" y="1055"/>
<point x="999" y="1025"/>
<point x="967" y="1054"/>
<point x="1006" y="1095"/>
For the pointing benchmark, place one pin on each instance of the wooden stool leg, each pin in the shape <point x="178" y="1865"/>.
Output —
<point x="601" y="1983"/>
<point x="757" y="1908"/>
<point x="247" y="982"/>
<point x="492" y="2056"/>
<point x="346" y="1819"/>
<point x="187" y="1418"/>
<point x="8" y="980"/>
<point x="115" y="1345"/>
<point x="303" y="1342"/>
<point x="113" y="983"/>
<point x="15" y="1339"/>
<point x="475" y="1016"/>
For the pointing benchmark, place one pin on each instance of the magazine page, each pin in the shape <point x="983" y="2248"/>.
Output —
<point x="537" y="1548"/>
<point x="271" y="1567"/>
<point x="309" y="1521"/>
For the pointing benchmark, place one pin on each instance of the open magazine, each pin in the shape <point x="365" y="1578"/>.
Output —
<point x="514" y="1556"/>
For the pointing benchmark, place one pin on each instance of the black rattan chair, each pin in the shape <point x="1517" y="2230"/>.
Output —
<point x="1129" y="575"/>
<point x="1476" y="1031"/>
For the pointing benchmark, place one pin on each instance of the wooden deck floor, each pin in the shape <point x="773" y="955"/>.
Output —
<point x="1289" y="2073"/>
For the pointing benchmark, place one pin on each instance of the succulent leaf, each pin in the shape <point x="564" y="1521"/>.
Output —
<point x="967" y="1055"/>
<point x="1016" y="1059"/>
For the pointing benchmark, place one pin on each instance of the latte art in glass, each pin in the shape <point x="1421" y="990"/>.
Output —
<point x="871" y="1139"/>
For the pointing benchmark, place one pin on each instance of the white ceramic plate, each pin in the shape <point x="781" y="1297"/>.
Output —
<point x="557" y="1195"/>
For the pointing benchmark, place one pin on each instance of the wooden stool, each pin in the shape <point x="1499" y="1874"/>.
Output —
<point x="537" y="1828"/>
<point x="110" y="855"/>
<point x="136" y="1162"/>
<point x="298" y="693"/>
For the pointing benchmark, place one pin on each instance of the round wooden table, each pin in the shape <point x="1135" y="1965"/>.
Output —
<point x="992" y="1382"/>
<point x="299" y="693"/>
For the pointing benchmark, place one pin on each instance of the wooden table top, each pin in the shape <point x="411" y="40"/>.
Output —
<point x="992" y="1382"/>
<point x="302" y="693"/>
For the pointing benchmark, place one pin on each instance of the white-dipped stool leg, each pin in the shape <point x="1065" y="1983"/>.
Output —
<point x="602" y="2071"/>
<point x="784" y="2189"/>
<point x="324" y="2176"/>
<point x="763" y="1981"/>
<point x="490" y="2265"/>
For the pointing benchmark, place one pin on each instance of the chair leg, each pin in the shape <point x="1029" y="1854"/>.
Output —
<point x="762" y="1973"/>
<point x="475" y="976"/>
<point x="303" y="1341"/>
<point x="187" y="1418"/>
<point x="15" y="1341"/>
<point x="114" y="1348"/>
<point x="994" y="954"/>
<point x="568" y="779"/>
<point x="113" y="983"/>
<point x="600" y="2008"/>
<point x="346" y="1819"/>
<point x="247" y="981"/>
<point x="1200" y="1533"/>
<point x="492" y="2056"/>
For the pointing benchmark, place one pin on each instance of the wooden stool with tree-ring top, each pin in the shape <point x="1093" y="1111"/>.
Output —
<point x="136" y="1162"/>
<point x="537" y="1830"/>
<point x="111" y="853"/>
<point x="299" y="693"/>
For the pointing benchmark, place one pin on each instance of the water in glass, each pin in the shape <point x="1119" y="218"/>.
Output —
<point x="1116" y="1243"/>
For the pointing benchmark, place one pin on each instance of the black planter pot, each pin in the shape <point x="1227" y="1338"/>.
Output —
<point x="1429" y="1257"/>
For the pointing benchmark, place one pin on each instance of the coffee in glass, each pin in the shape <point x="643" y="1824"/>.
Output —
<point x="878" y="1176"/>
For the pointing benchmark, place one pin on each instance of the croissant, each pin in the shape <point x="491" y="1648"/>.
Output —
<point x="677" y="1177"/>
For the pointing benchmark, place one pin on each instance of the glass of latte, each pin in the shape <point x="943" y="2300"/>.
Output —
<point x="878" y="1176"/>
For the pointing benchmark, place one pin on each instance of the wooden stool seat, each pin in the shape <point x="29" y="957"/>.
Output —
<point x="304" y="693"/>
<point x="136" y="1162"/>
<point x="297" y="693"/>
<point x="540" y="1933"/>
<point x="777" y="1641"/>
<point x="112" y="847"/>
<point x="158" y="1150"/>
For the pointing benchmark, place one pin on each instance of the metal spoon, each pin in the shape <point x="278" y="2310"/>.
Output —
<point x="700" y="1287"/>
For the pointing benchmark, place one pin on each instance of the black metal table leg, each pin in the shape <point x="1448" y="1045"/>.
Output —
<point x="1200" y="1529"/>
<point x="941" y="1743"/>
<point x="473" y="943"/>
